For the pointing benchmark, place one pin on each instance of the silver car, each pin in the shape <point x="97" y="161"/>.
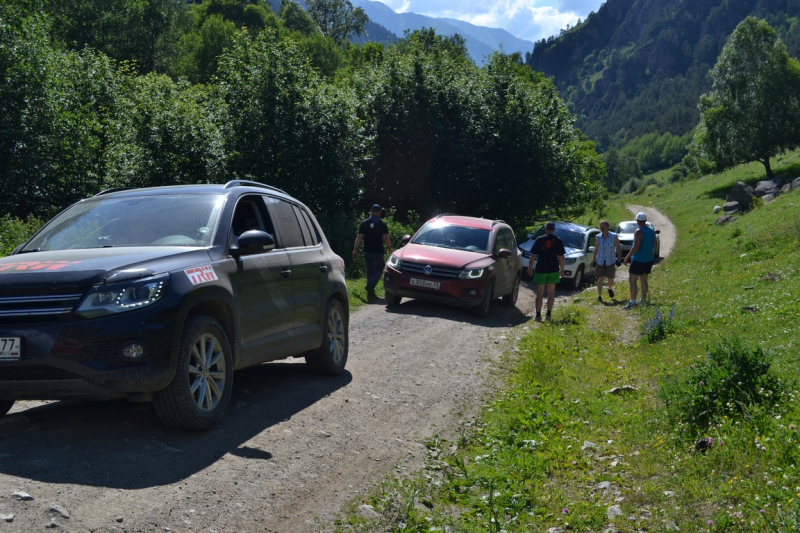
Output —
<point x="579" y="242"/>
<point x="625" y="232"/>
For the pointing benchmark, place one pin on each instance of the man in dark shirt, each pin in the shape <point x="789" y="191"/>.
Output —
<point x="375" y="234"/>
<point x="549" y="250"/>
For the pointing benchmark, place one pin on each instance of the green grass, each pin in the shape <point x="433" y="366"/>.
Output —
<point x="522" y="467"/>
<point x="357" y="291"/>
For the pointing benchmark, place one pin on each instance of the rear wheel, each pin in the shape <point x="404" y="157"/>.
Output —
<point x="393" y="300"/>
<point x="510" y="299"/>
<point x="482" y="309"/>
<point x="5" y="406"/>
<point x="201" y="390"/>
<point x="330" y="358"/>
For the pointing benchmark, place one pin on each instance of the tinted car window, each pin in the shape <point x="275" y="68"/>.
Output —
<point x="291" y="236"/>
<point x="153" y="220"/>
<point x="303" y="226"/>
<point x="315" y="240"/>
<point x="250" y="215"/>
<point x="504" y="240"/>
<point x="592" y="240"/>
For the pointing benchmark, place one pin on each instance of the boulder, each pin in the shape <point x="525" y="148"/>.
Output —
<point x="732" y="207"/>
<point x="786" y="188"/>
<point x="717" y="209"/>
<point x="721" y="221"/>
<point x="741" y="193"/>
<point x="767" y="198"/>
<point x="770" y="186"/>
<point x="796" y="184"/>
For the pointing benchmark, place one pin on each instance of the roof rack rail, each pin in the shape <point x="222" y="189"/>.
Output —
<point x="446" y="215"/>
<point x="115" y="189"/>
<point x="247" y="183"/>
<point x="498" y="221"/>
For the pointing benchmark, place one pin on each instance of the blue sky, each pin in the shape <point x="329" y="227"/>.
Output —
<point x="526" y="19"/>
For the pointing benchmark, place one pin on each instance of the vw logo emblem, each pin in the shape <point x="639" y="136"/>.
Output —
<point x="427" y="270"/>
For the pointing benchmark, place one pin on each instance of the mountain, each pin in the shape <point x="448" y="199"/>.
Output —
<point x="375" y="33"/>
<point x="480" y="41"/>
<point x="639" y="66"/>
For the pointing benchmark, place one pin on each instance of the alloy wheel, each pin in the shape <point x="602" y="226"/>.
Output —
<point x="207" y="372"/>
<point x="336" y="335"/>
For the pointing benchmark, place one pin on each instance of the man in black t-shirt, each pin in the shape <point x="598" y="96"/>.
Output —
<point x="375" y="234"/>
<point x="550" y="251"/>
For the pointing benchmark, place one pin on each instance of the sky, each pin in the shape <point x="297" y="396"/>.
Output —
<point x="526" y="19"/>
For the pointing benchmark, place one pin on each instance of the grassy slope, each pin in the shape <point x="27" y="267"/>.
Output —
<point x="522" y="466"/>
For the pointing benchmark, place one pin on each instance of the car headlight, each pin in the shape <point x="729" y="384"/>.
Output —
<point x="394" y="262"/>
<point x="471" y="274"/>
<point x="570" y="261"/>
<point x="105" y="300"/>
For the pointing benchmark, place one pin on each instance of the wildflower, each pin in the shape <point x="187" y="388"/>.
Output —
<point x="702" y="383"/>
<point x="565" y="511"/>
<point x="761" y="511"/>
<point x="710" y="523"/>
<point x="792" y="427"/>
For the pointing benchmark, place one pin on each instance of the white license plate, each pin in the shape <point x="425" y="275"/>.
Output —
<point x="427" y="284"/>
<point x="9" y="348"/>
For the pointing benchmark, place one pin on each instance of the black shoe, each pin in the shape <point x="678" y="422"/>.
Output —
<point x="599" y="298"/>
<point x="610" y="293"/>
<point x="371" y="295"/>
<point x="538" y="317"/>
<point x="548" y="317"/>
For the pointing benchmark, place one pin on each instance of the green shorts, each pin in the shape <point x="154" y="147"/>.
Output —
<point x="543" y="279"/>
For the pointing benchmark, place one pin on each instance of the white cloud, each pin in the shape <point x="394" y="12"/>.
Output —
<point x="526" y="19"/>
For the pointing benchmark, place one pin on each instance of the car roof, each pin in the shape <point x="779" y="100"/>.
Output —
<point x="573" y="227"/>
<point x="236" y="186"/>
<point x="470" y="222"/>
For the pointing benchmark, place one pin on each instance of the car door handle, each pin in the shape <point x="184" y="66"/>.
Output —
<point x="286" y="273"/>
<point x="323" y="268"/>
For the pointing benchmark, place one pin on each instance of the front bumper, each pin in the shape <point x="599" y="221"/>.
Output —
<point x="460" y="292"/>
<point x="81" y="358"/>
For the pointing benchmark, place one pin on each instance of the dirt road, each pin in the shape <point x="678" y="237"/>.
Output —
<point x="292" y="449"/>
<point x="660" y="222"/>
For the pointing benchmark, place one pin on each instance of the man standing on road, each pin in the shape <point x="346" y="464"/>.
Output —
<point x="549" y="250"/>
<point x="607" y="255"/>
<point x="640" y="258"/>
<point x="375" y="234"/>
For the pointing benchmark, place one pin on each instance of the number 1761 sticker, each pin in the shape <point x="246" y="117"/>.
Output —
<point x="201" y="274"/>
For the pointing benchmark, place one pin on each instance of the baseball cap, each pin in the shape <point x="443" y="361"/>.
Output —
<point x="641" y="215"/>
<point x="375" y="207"/>
<point x="550" y="225"/>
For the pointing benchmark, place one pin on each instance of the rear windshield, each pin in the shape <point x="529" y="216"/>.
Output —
<point x="455" y="237"/>
<point x="168" y="220"/>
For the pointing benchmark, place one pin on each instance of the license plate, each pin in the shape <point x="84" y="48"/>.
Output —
<point x="9" y="348"/>
<point x="427" y="284"/>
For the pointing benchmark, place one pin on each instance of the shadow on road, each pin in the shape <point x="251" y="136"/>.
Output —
<point x="123" y="445"/>
<point x="500" y="316"/>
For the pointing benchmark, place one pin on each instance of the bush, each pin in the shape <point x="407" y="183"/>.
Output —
<point x="631" y="186"/>
<point x="14" y="232"/>
<point x="658" y="327"/>
<point x="734" y="379"/>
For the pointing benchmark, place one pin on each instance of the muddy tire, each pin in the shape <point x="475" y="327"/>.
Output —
<point x="482" y="309"/>
<point x="201" y="390"/>
<point x="393" y="300"/>
<point x="510" y="299"/>
<point x="5" y="406"/>
<point x="329" y="359"/>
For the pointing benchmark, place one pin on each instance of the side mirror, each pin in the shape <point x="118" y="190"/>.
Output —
<point x="504" y="254"/>
<point x="406" y="239"/>
<point x="658" y="231"/>
<point x="253" y="242"/>
<point x="591" y="249"/>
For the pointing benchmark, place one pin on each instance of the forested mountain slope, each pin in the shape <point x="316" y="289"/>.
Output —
<point x="639" y="66"/>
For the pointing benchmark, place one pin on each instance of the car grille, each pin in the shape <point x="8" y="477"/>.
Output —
<point x="37" y="304"/>
<point x="34" y="373"/>
<point x="626" y="243"/>
<point x="436" y="272"/>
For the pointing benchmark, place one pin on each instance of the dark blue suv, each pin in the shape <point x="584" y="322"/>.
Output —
<point x="160" y="294"/>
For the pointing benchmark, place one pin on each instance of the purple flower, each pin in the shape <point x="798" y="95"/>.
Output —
<point x="710" y="523"/>
<point x="761" y="511"/>
<point x="565" y="511"/>
<point x="792" y="427"/>
<point x="702" y="383"/>
<point x="710" y="441"/>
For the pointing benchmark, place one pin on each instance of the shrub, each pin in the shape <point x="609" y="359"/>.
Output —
<point x="14" y="232"/>
<point x="658" y="327"/>
<point x="632" y="185"/>
<point x="731" y="381"/>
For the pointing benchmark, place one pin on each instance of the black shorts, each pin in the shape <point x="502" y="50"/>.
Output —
<point x="637" y="268"/>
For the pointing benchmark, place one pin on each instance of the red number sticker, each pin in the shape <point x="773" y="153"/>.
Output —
<point x="202" y="274"/>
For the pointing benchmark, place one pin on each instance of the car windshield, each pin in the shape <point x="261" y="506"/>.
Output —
<point x="627" y="227"/>
<point x="457" y="237"/>
<point x="571" y="239"/>
<point x="158" y="220"/>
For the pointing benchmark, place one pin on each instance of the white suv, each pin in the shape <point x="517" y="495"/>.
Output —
<point x="579" y="244"/>
<point x="625" y="231"/>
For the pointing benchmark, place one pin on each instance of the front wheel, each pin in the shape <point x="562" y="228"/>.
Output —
<point x="577" y="282"/>
<point x="393" y="300"/>
<point x="5" y="406"/>
<point x="201" y="390"/>
<point x="330" y="358"/>
<point x="510" y="299"/>
<point x="482" y="309"/>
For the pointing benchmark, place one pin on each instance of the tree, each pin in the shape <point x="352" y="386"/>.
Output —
<point x="338" y="19"/>
<point x="753" y="111"/>
<point x="296" y="18"/>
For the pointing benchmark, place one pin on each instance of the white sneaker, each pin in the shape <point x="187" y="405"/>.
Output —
<point x="630" y="305"/>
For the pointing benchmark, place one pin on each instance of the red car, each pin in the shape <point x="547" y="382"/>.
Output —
<point x="459" y="261"/>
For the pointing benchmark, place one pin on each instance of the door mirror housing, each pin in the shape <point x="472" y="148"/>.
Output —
<point x="253" y="242"/>
<point x="406" y="239"/>
<point x="658" y="231"/>
<point x="591" y="249"/>
<point x="503" y="253"/>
